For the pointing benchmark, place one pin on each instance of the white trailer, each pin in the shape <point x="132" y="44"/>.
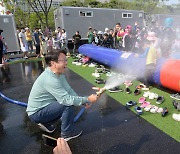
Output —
<point x="7" y="24"/>
<point x="80" y="18"/>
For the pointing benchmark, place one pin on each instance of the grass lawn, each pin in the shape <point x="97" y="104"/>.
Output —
<point x="167" y="124"/>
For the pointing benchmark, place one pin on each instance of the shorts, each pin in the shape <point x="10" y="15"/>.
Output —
<point x="24" y="48"/>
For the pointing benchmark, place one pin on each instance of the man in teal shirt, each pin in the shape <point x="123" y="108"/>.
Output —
<point x="51" y="98"/>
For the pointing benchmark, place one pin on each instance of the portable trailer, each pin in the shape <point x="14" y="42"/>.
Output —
<point x="7" y="24"/>
<point x="80" y="18"/>
<point x="160" y="19"/>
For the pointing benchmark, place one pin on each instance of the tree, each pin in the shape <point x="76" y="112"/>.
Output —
<point x="41" y="6"/>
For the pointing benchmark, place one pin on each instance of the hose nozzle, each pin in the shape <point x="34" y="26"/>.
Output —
<point x="101" y="91"/>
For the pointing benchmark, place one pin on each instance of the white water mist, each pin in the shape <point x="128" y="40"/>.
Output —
<point x="117" y="79"/>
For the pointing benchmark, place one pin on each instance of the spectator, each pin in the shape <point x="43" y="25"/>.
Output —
<point x="37" y="42"/>
<point x="105" y="41"/>
<point x="50" y="43"/>
<point x="118" y="35"/>
<point x="90" y="35"/>
<point x="29" y="39"/>
<point x="64" y="41"/>
<point x="1" y="48"/>
<point x="23" y="43"/>
<point x="76" y="41"/>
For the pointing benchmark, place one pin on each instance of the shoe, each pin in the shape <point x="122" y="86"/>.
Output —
<point x="154" y="109"/>
<point x="144" y="104"/>
<point x="72" y="135"/>
<point x="47" y="127"/>
<point x="160" y="100"/>
<point x="176" y="117"/>
<point x="145" y="88"/>
<point x="142" y="99"/>
<point x="164" y="112"/>
<point x="138" y="110"/>
<point x="91" y="65"/>
<point x="175" y="96"/>
<point x="152" y="95"/>
<point x="97" y="75"/>
<point x="127" y="90"/>
<point x="148" y="108"/>
<point x="146" y="94"/>
<point x="175" y="104"/>
<point x="114" y="90"/>
<point x="128" y="83"/>
<point x="140" y="86"/>
<point x="160" y="110"/>
<point x="100" y="81"/>
<point x="130" y="103"/>
<point x="136" y="92"/>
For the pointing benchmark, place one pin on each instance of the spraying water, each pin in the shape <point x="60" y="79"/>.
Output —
<point x="117" y="79"/>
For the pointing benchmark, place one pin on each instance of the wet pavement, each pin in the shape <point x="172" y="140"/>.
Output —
<point x="108" y="128"/>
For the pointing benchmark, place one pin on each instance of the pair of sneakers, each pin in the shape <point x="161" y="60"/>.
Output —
<point x="50" y="129"/>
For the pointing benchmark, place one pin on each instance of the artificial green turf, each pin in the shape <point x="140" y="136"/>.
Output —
<point x="167" y="124"/>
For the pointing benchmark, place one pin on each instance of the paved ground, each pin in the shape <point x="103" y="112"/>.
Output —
<point x="108" y="127"/>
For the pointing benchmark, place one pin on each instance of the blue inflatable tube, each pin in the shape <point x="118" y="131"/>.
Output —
<point x="125" y="62"/>
<point x="167" y="69"/>
<point x="80" y="113"/>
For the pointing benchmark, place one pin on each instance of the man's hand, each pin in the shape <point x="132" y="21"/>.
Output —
<point x="93" y="98"/>
<point x="62" y="147"/>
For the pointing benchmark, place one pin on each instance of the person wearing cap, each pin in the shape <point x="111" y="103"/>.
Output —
<point x="128" y="39"/>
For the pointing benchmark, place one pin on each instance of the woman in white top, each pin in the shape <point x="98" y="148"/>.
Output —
<point x="64" y="41"/>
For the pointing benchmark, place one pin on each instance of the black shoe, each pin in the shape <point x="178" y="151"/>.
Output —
<point x="127" y="90"/>
<point x="160" y="100"/>
<point x="100" y="81"/>
<point x="47" y="127"/>
<point x="165" y="112"/>
<point x="115" y="89"/>
<point x="136" y="92"/>
<point x="72" y="135"/>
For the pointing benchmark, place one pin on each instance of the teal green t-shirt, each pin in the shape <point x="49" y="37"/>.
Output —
<point x="49" y="88"/>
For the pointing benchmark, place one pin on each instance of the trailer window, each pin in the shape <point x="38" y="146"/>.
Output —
<point x="89" y="14"/>
<point x="6" y="20"/>
<point x="82" y="13"/>
<point x="85" y="13"/>
<point x="127" y="15"/>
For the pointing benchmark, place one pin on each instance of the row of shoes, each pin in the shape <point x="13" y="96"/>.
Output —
<point x="147" y="107"/>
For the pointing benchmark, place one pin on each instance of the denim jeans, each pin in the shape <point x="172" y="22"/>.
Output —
<point x="53" y="112"/>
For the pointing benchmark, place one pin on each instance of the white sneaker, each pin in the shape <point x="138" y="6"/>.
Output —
<point x="146" y="94"/>
<point x="97" y="75"/>
<point x="176" y="117"/>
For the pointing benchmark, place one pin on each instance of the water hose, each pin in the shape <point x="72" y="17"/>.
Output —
<point x="25" y="105"/>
